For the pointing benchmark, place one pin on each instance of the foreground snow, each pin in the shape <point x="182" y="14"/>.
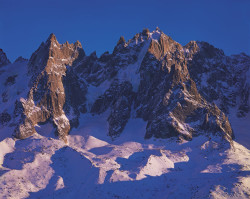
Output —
<point x="94" y="166"/>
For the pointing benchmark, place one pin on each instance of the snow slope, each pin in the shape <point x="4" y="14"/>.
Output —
<point x="241" y="127"/>
<point x="13" y="87"/>
<point x="94" y="166"/>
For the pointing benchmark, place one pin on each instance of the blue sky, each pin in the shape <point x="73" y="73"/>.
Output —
<point x="98" y="24"/>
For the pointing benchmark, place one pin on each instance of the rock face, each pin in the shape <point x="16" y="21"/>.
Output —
<point x="3" y="58"/>
<point x="221" y="79"/>
<point x="47" y="67"/>
<point x="20" y="59"/>
<point x="180" y="91"/>
<point x="168" y="98"/>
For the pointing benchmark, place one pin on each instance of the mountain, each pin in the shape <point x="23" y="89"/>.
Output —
<point x="151" y="101"/>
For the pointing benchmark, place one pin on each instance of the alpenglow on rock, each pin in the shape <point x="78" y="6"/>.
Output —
<point x="178" y="90"/>
<point x="46" y="99"/>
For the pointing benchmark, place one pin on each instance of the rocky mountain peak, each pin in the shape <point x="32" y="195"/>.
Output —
<point x="52" y="51"/>
<point x="93" y="54"/>
<point x="3" y="58"/>
<point x="192" y="46"/>
<point x="121" y="41"/>
<point x="145" y="32"/>
<point x="47" y="66"/>
<point x="151" y="74"/>
<point x="161" y="44"/>
<point x="78" y="44"/>
<point x="52" y="38"/>
<point x="209" y="50"/>
<point x="20" y="59"/>
<point x="157" y="29"/>
<point x="52" y="42"/>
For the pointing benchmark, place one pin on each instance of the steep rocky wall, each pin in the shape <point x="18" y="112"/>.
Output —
<point x="150" y="76"/>
<point x="47" y="67"/>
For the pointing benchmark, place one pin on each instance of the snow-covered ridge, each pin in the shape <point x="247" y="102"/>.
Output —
<point x="42" y="166"/>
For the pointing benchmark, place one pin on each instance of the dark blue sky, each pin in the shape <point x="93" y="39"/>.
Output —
<point x="24" y="24"/>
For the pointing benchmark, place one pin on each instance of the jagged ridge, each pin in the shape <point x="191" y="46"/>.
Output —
<point x="151" y="75"/>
